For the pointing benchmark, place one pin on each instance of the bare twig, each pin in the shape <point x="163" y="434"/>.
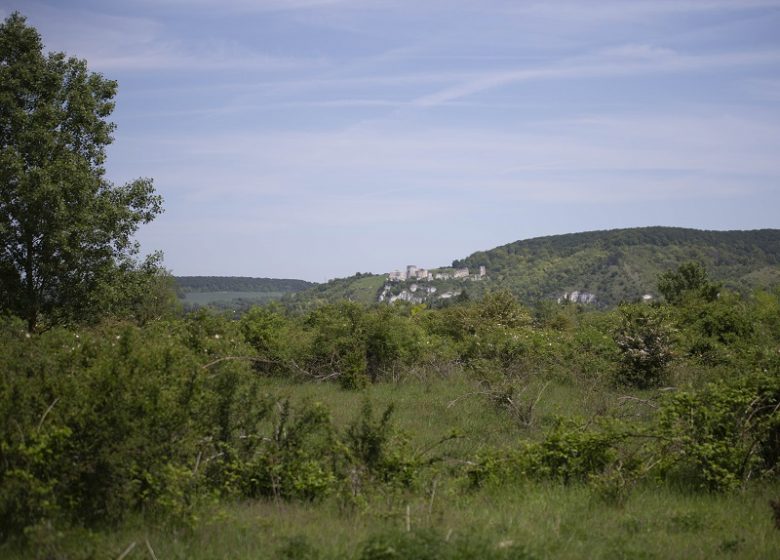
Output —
<point x="45" y="414"/>
<point x="248" y="358"/>
<point x="127" y="551"/>
<point x="647" y="402"/>
<point x="435" y="444"/>
<point x="291" y="364"/>
<point x="433" y="496"/>
<point x="151" y="550"/>
<point x="452" y="402"/>
<point x="197" y="462"/>
<point x="539" y="396"/>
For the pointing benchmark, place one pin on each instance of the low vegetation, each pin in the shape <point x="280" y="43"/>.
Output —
<point x="482" y="429"/>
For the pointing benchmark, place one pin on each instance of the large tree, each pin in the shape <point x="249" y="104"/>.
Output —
<point x="66" y="232"/>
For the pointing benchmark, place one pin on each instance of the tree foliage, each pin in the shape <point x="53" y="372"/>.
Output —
<point x="690" y="280"/>
<point x="65" y="230"/>
<point x="644" y="340"/>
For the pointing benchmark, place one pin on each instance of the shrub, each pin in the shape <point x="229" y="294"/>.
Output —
<point x="375" y="456"/>
<point x="339" y="344"/>
<point x="644" y="340"/>
<point x="690" y="281"/>
<point x="279" y="344"/>
<point x="568" y="453"/>
<point x="296" y="460"/>
<point x="107" y="421"/>
<point x="724" y="435"/>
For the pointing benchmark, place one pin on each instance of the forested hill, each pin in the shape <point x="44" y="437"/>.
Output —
<point x="235" y="292"/>
<point x="362" y="287"/>
<point x="240" y="284"/>
<point x="612" y="266"/>
<point x="623" y="264"/>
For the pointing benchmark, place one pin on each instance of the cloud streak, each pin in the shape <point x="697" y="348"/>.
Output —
<point x="613" y="11"/>
<point x="121" y="43"/>
<point x="550" y="160"/>
<point x="629" y="60"/>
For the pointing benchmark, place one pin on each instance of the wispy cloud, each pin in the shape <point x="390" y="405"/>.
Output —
<point x="629" y="60"/>
<point x="556" y="161"/>
<point x="259" y="5"/>
<point x="763" y="89"/>
<point x="612" y="11"/>
<point x="114" y="43"/>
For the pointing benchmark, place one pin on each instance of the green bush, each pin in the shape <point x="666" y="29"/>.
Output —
<point x="722" y="436"/>
<point x="339" y="344"/>
<point x="375" y="453"/>
<point x="644" y="339"/>
<point x="103" y="422"/>
<point x="296" y="460"/>
<point x="568" y="453"/>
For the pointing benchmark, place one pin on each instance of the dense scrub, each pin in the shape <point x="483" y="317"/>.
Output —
<point x="165" y="420"/>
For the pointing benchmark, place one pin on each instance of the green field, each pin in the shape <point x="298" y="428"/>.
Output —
<point x="442" y="517"/>
<point x="206" y="298"/>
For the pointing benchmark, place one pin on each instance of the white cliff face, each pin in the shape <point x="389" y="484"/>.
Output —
<point x="448" y="295"/>
<point x="412" y="272"/>
<point x="405" y="296"/>
<point x="578" y="297"/>
<point x="423" y="293"/>
<point x="412" y="289"/>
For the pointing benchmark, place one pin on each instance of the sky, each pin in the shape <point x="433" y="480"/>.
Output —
<point x="314" y="139"/>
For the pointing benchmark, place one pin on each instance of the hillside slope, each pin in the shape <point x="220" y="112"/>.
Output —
<point x="240" y="284"/>
<point x="623" y="264"/>
<point x="361" y="288"/>
<point x="235" y="292"/>
<point x="607" y="266"/>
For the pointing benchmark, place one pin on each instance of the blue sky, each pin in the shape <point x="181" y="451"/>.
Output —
<point x="317" y="138"/>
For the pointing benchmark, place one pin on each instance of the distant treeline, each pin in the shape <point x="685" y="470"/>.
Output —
<point x="240" y="284"/>
<point x="741" y="246"/>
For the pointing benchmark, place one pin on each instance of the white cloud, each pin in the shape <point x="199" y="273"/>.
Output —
<point x="613" y="11"/>
<point x="116" y="43"/>
<point x="378" y="170"/>
<point x="244" y="6"/>
<point x="625" y="61"/>
<point x="763" y="89"/>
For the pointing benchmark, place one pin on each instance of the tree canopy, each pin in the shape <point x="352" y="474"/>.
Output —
<point x="689" y="280"/>
<point x="66" y="231"/>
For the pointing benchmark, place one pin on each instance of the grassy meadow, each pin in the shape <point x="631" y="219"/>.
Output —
<point x="442" y="518"/>
<point x="481" y="430"/>
<point x="207" y="298"/>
